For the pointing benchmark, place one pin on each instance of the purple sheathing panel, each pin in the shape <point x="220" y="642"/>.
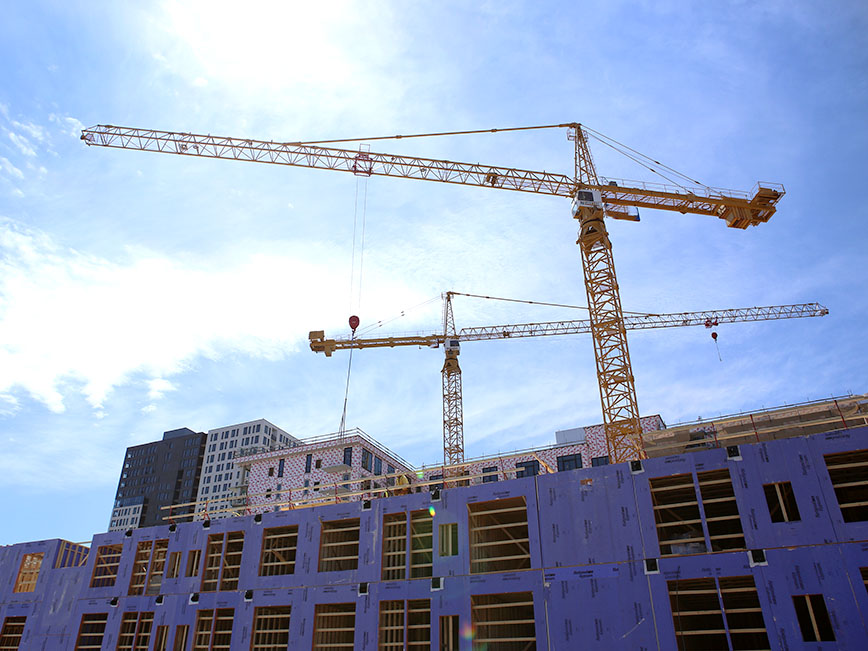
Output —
<point x="605" y="606"/>
<point x="791" y="461"/>
<point x="855" y="557"/>
<point x="588" y="516"/>
<point x="829" y="443"/>
<point x="810" y="570"/>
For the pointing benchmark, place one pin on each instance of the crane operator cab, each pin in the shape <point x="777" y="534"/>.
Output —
<point x="452" y="344"/>
<point x="587" y="199"/>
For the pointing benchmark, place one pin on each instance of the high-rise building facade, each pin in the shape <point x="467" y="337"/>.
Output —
<point x="220" y="478"/>
<point x="156" y="475"/>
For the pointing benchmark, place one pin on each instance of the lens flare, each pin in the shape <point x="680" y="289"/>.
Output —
<point x="431" y="511"/>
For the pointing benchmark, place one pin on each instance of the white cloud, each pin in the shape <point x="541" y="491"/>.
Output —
<point x="10" y="169"/>
<point x="72" y="126"/>
<point x="77" y="323"/>
<point x="35" y="131"/>
<point x="17" y="193"/>
<point x="149" y="409"/>
<point x="22" y="144"/>
<point x="158" y="386"/>
<point x="200" y="82"/>
<point x="9" y="404"/>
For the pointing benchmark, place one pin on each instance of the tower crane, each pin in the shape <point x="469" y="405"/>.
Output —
<point x="453" y="427"/>
<point x="593" y="199"/>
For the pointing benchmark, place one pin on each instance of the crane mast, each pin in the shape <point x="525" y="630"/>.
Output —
<point x="594" y="198"/>
<point x="453" y="416"/>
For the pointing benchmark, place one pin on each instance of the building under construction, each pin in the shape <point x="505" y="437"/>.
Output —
<point x="747" y="532"/>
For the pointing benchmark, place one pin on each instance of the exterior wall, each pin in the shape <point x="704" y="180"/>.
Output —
<point x="592" y="543"/>
<point x="266" y="485"/>
<point x="155" y="475"/>
<point x="220" y="478"/>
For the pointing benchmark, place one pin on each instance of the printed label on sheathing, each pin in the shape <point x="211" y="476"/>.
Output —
<point x="556" y="531"/>
<point x="329" y="589"/>
<point x="502" y="494"/>
<point x="598" y="628"/>
<point x="222" y="603"/>
<point x="390" y="586"/>
<point x="625" y="516"/>
<point x="678" y="459"/>
<point x="477" y="579"/>
<point x="268" y="593"/>
<point x="805" y="464"/>
<point x="548" y="577"/>
<point x="568" y="629"/>
<point x="672" y="574"/>
<point x="819" y="570"/>
<point x="751" y="519"/>
<point x="797" y="578"/>
<point x="510" y="577"/>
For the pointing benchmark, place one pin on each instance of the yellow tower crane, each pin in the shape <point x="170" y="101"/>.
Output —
<point x="593" y="198"/>
<point x="453" y="426"/>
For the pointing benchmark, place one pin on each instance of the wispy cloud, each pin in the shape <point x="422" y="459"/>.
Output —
<point x="10" y="169"/>
<point x="22" y="144"/>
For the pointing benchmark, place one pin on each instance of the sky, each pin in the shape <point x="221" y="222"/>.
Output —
<point x="142" y="292"/>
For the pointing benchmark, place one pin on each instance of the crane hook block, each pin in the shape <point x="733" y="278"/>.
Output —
<point x="354" y="323"/>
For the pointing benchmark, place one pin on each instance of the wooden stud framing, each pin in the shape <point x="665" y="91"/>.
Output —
<point x="173" y="570"/>
<point x="864" y="572"/>
<point x="499" y="539"/>
<point x="744" y="615"/>
<point x="70" y="555"/>
<point x="813" y="618"/>
<point x="270" y="628"/>
<point x="28" y="572"/>
<point x="334" y="627"/>
<point x="848" y="472"/>
<point x="394" y="564"/>
<point x="339" y="545"/>
<point x="391" y="632"/>
<point x="421" y="544"/>
<point x="418" y="624"/>
<point x="161" y="638"/>
<point x="11" y="633"/>
<point x="676" y="513"/>
<point x="222" y="561"/>
<point x="721" y="510"/>
<point x="91" y="631"/>
<point x="503" y="621"/>
<point x="148" y="567"/>
<point x="182" y="632"/>
<point x="781" y="502"/>
<point x="449" y="633"/>
<point x="278" y="551"/>
<point x="213" y="629"/>
<point x="194" y="557"/>
<point x="232" y="560"/>
<point x="105" y="567"/>
<point x="135" y="632"/>
<point x="213" y="553"/>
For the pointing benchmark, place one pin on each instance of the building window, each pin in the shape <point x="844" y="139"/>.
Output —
<point x="91" y="631"/>
<point x="848" y="472"/>
<point x="222" y="561"/>
<point x="12" y="632"/>
<point x="781" y="502"/>
<point x="271" y="471"/>
<point x="270" y="628"/>
<point x="449" y="633"/>
<point x="499" y="540"/>
<point x="600" y="461"/>
<point x="569" y="462"/>
<point x="278" y="551"/>
<point x="318" y="464"/>
<point x="135" y="632"/>
<point x="348" y="456"/>
<point x="367" y="460"/>
<point x="813" y="618"/>
<point x="308" y="461"/>
<point x="280" y="467"/>
<point x="28" y="572"/>
<point x="435" y="487"/>
<point x="193" y="558"/>
<point x="489" y="474"/>
<point x="213" y="629"/>
<point x="105" y="567"/>
<point x="502" y="618"/>
<point x="378" y="466"/>
<point x="339" y="545"/>
<point x="527" y="468"/>
<point x="174" y="568"/>
<point x="148" y="566"/>
<point x="418" y="624"/>
<point x="334" y="626"/>
<point x="704" y="610"/>
<point x="449" y="539"/>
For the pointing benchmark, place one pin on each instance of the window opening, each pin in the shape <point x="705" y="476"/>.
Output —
<point x="721" y="510"/>
<point x="527" y="468"/>
<point x="391" y="636"/>
<point x="781" y="502"/>
<point x="489" y="474"/>
<point x="421" y="544"/>
<point x="105" y="566"/>
<point x="148" y="566"/>
<point x="28" y="572"/>
<point x="213" y="629"/>
<point x="499" y="540"/>
<point x="91" y="632"/>
<point x="348" y="456"/>
<point x="161" y="638"/>
<point x="676" y="513"/>
<point x="135" y="632"/>
<point x="418" y="624"/>
<point x="12" y="632"/>
<point x="569" y="462"/>
<point x="849" y="474"/>
<point x="449" y="633"/>
<point x="449" y="539"/>
<point x="339" y="545"/>
<point x="813" y="618"/>
<point x="503" y="621"/>
<point x="182" y="632"/>
<point x="193" y="558"/>
<point x="270" y="628"/>
<point x="394" y="565"/>
<point x="222" y="561"/>
<point x="174" y="567"/>
<point x="599" y="461"/>
<point x="334" y="627"/>
<point x="278" y="551"/>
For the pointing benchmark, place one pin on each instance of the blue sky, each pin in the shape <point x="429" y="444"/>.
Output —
<point x="141" y="293"/>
